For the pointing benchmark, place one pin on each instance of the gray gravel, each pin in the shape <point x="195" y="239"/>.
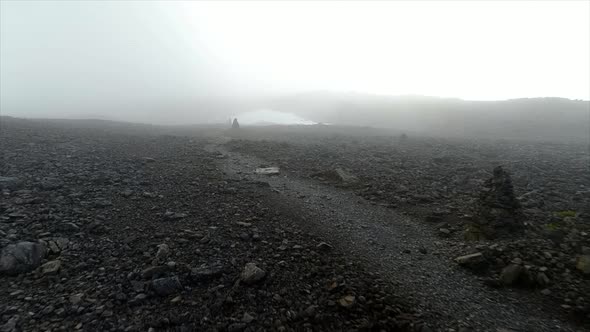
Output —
<point x="406" y="251"/>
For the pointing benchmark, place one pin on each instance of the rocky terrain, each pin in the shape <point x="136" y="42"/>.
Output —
<point x="141" y="228"/>
<point x="108" y="231"/>
<point x="441" y="182"/>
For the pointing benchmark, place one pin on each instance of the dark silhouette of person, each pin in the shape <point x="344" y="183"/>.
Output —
<point x="235" y="124"/>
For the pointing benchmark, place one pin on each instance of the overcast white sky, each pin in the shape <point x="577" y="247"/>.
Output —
<point x="74" y="53"/>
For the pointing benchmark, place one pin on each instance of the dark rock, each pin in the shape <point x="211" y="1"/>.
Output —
<point x="21" y="257"/>
<point x="154" y="271"/>
<point x="510" y="274"/>
<point x="12" y="183"/>
<point x="51" y="267"/>
<point x="162" y="254"/>
<point x="11" y="325"/>
<point x="252" y="274"/>
<point x="472" y="261"/>
<point x="204" y="274"/>
<point x="583" y="264"/>
<point x="166" y="286"/>
<point x="444" y="232"/>
<point x="236" y="327"/>
<point x="50" y="184"/>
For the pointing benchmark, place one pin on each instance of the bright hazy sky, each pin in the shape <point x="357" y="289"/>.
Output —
<point x="74" y="53"/>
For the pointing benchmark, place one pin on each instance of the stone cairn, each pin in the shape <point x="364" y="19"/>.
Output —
<point x="499" y="213"/>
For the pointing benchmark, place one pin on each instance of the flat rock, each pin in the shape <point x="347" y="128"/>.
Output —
<point x="467" y="259"/>
<point x="268" y="170"/>
<point x="51" y="267"/>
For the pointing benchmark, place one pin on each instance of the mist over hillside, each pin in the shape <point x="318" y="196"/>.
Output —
<point x="527" y="118"/>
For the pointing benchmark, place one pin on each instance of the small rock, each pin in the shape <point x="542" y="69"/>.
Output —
<point x="76" y="298"/>
<point x="324" y="246"/>
<point x="311" y="311"/>
<point x="138" y="299"/>
<point x="347" y="301"/>
<point x="542" y="279"/>
<point x="444" y="232"/>
<point x="546" y="292"/>
<point x="470" y="259"/>
<point x="154" y="271"/>
<point x="236" y="327"/>
<point x="206" y="273"/>
<point x="252" y="274"/>
<point x="11" y="324"/>
<point x="166" y="286"/>
<point x="247" y="318"/>
<point x="126" y="193"/>
<point x="162" y="254"/>
<point x="51" y="267"/>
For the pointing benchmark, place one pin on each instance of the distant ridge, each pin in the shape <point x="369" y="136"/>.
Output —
<point x="547" y="118"/>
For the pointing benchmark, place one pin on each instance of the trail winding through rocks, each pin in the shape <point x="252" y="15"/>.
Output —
<point x="402" y="249"/>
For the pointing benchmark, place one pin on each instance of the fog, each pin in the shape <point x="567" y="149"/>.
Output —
<point x="202" y="62"/>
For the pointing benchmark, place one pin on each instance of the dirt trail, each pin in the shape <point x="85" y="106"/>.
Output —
<point x="404" y="250"/>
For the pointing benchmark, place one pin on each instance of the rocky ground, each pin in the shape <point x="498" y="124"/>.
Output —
<point x="439" y="182"/>
<point x="103" y="230"/>
<point x="127" y="227"/>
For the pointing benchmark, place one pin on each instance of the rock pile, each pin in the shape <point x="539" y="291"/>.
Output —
<point x="235" y="124"/>
<point x="558" y="272"/>
<point x="499" y="213"/>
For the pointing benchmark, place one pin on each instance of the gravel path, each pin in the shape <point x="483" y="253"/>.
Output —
<point x="405" y="250"/>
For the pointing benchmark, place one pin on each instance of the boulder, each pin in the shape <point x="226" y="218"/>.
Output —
<point x="510" y="274"/>
<point x="21" y="257"/>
